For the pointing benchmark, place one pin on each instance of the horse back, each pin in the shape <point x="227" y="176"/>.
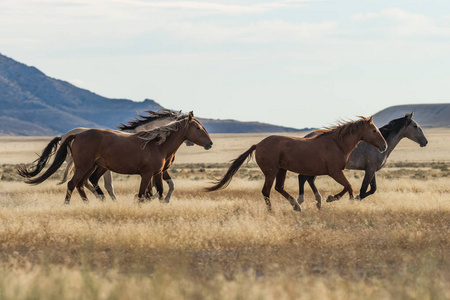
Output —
<point x="308" y="156"/>
<point x="106" y="142"/>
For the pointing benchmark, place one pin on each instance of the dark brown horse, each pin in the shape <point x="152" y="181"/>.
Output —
<point x="144" y="153"/>
<point x="323" y="154"/>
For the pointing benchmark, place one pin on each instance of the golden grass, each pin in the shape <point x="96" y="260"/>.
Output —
<point x="225" y="245"/>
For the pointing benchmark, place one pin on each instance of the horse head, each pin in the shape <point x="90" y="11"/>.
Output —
<point x="197" y="134"/>
<point x="414" y="132"/>
<point x="373" y="136"/>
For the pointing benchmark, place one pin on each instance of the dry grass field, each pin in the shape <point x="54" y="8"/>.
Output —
<point x="225" y="245"/>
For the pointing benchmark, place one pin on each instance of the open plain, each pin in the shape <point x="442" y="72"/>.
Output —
<point x="225" y="245"/>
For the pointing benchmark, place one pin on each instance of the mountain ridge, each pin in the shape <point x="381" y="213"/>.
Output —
<point x="32" y="103"/>
<point x="431" y="115"/>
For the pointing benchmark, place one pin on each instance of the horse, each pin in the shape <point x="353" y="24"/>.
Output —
<point x="144" y="153"/>
<point x="323" y="154"/>
<point x="144" y="123"/>
<point x="366" y="158"/>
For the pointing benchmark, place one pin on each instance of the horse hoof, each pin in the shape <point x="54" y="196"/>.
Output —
<point x="300" y="200"/>
<point x="330" y="199"/>
<point x="319" y="205"/>
<point x="297" y="208"/>
<point x="67" y="202"/>
<point x="358" y="197"/>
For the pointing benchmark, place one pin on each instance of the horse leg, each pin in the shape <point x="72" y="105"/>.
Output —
<point x="279" y="187"/>
<point x="146" y="180"/>
<point x="95" y="190"/>
<point x="311" y="181"/>
<point x="70" y="188"/>
<point x="94" y="178"/>
<point x="168" y="179"/>
<point x="82" y="182"/>
<point x="341" y="179"/>
<point x="149" y="191"/>
<point x="108" y="182"/>
<point x="301" y="188"/>
<point x="77" y="178"/>
<point x="369" y="174"/>
<point x="157" y="181"/>
<point x="268" y="183"/>
<point x="80" y="188"/>
<point x="373" y="186"/>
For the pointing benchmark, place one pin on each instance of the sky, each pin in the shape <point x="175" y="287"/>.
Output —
<point x="295" y="63"/>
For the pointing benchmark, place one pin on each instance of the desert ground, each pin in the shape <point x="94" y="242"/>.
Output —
<point x="225" y="245"/>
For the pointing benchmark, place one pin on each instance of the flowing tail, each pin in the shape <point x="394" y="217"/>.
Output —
<point x="236" y="164"/>
<point x="69" y="168"/>
<point x="41" y="162"/>
<point x="59" y="159"/>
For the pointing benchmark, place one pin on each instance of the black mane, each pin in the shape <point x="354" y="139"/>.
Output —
<point x="394" y="126"/>
<point x="151" y="116"/>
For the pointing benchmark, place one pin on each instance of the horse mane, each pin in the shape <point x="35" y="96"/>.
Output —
<point x="150" y="117"/>
<point x="342" y="128"/>
<point x="160" y="134"/>
<point x="394" y="126"/>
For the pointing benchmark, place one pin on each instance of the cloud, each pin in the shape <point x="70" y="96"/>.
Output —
<point x="407" y="24"/>
<point x="200" y="6"/>
<point x="262" y="32"/>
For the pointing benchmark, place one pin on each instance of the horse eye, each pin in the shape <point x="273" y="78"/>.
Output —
<point x="374" y="130"/>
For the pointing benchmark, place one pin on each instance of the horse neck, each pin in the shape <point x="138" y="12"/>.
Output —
<point x="392" y="141"/>
<point x="349" y="141"/>
<point x="174" y="141"/>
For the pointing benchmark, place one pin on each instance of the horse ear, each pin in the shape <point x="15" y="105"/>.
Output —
<point x="409" y="116"/>
<point x="191" y="116"/>
<point x="371" y="119"/>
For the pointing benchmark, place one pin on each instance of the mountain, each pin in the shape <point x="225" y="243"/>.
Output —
<point x="232" y="126"/>
<point x="32" y="103"/>
<point x="427" y="115"/>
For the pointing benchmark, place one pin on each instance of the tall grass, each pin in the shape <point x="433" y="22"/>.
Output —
<point x="225" y="245"/>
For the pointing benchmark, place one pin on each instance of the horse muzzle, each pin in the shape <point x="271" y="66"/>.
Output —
<point x="208" y="145"/>
<point x="383" y="148"/>
<point x="424" y="143"/>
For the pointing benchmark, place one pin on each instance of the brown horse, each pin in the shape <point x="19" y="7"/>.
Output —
<point x="144" y="153"/>
<point x="324" y="154"/>
<point x="151" y="120"/>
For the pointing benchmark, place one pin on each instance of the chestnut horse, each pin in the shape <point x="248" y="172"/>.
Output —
<point x="146" y="122"/>
<point x="144" y="153"/>
<point x="324" y="154"/>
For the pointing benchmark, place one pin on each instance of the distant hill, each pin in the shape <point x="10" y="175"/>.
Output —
<point x="232" y="126"/>
<point x="32" y="103"/>
<point x="427" y="115"/>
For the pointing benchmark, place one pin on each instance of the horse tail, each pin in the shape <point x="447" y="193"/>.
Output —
<point x="59" y="159"/>
<point x="69" y="168"/>
<point x="235" y="165"/>
<point x="41" y="162"/>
